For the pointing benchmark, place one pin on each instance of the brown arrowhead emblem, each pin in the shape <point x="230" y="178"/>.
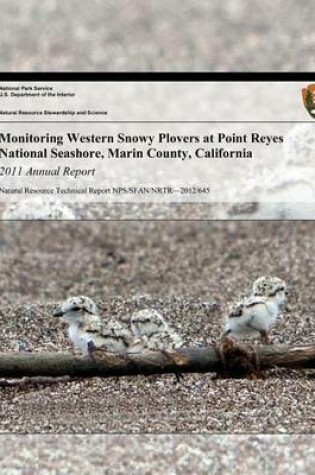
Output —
<point x="308" y="94"/>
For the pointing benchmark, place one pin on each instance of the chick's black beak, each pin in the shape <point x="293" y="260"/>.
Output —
<point x="59" y="313"/>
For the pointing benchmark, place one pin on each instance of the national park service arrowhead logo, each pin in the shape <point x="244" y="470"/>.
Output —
<point x="308" y="94"/>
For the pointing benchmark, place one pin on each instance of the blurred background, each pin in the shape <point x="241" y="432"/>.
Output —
<point x="151" y="35"/>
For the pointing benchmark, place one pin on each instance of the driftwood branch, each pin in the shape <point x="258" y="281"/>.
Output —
<point x="238" y="361"/>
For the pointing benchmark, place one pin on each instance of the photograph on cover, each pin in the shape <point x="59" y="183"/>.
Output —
<point x="124" y="288"/>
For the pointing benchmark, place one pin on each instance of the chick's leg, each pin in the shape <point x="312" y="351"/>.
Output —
<point x="264" y="337"/>
<point x="221" y="348"/>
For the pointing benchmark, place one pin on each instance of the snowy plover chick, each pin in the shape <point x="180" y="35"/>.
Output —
<point x="258" y="313"/>
<point x="87" y="330"/>
<point x="155" y="332"/>
<point x="271" y="287"/>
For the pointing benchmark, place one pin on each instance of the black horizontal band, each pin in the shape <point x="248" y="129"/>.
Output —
<point x="171" y="76"/>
